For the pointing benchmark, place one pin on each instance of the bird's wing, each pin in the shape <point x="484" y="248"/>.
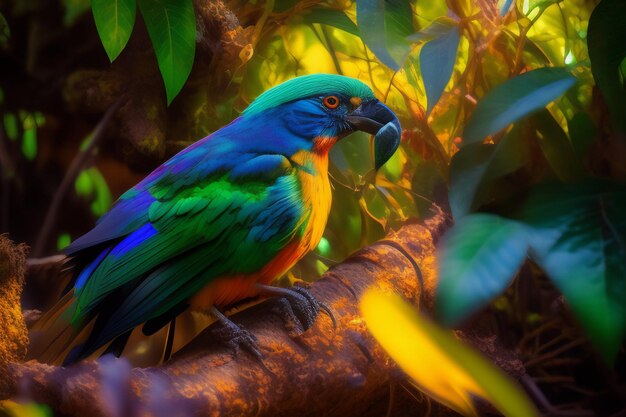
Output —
<point x="230" y="222"/>
<point x="194" y="164"/>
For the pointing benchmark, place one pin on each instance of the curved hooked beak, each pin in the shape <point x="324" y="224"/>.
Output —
<point x="375" y="118"/>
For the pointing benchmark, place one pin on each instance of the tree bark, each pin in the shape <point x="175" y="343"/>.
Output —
<point x="327" y="371"/>
<point x="13" y="334"/>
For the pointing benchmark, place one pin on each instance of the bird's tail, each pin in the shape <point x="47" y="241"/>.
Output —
<point x="53" y="336"/>
<point x="54" y="339"/>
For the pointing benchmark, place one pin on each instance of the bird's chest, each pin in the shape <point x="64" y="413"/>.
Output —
<point x="316" y="198"/>
<point x="316" y="201"/>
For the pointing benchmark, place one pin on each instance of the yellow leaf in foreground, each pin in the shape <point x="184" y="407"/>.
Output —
<point x="440" y="365"/>
<point x="15" y="409"/>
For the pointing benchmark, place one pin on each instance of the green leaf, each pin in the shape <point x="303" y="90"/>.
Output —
<point x="114" y="20"/>
<point x="479" y="257"/>
<point x="437" y="59"/>
<point x="578" y="239"/>
<point x="606" y="40"/>
<point x="582" y="132"/>
<point x="331" y="17"/>
<point x="384" y="26"/>
<point x="90" y="183"/>
<point x="556" y="147"/>
<point x="11" y="126"/>
<point x="323" y="248"/>
<point x="171" y="25"/>
<point x="103" y="200"/>
<point x="63" y="241"/>
<point x="29" y="143"/>
<point x="84" y="184"/>
<point x="515" y="99"/>
<point x="473" y="168"/>
<point x="440" y="27"/>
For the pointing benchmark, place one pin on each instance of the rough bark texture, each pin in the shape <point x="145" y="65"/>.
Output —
<point x="326" y="371"/>
<point x="13" y="334"/>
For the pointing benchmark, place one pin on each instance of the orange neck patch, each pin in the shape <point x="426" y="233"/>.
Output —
<point x="322" y="144"/>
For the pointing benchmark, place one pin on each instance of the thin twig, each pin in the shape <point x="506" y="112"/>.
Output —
<point x="77" y="165"/>
<point x="540" y="359"/>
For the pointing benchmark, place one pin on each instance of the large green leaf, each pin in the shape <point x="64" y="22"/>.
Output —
<point x="578" y="236"/>
<point x="582" y="132"/>
<point x="479" y="257"/>
<point x="556" y="147"/>
<point x="384" y="26"/>
<point x="331" y="17"/>
<point x="114" y="20"/>
<point x="473" y="168"/>
<point x="437" y="59"/>
<point x="172" y="28"/>
<point x="515" y="99"/>
<point x="606" y="40"/>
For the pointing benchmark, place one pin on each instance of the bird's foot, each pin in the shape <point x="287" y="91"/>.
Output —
<point x="235" y="337"/>
<point x="297" y="306"/>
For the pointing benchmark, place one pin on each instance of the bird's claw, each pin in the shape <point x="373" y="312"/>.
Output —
<point x="236" y="337"/>
<point x="321" y="307"/>
<point x="299" y="308"/>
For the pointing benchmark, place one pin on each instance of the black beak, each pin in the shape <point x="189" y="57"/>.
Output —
<point x="375" y="118"/>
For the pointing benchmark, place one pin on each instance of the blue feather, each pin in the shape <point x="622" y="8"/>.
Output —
<point x="135" y="239"/>
<point x="88" y="270"/>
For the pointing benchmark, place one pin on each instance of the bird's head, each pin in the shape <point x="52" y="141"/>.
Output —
<point x="320" y="109"/>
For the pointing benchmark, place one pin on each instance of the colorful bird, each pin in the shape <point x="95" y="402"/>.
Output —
<point x="217" y="222"/>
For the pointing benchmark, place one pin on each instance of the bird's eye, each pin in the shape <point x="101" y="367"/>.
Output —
<point x="332" y="102"/>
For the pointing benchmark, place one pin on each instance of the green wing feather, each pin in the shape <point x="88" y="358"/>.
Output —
<point x="220" y="226"/>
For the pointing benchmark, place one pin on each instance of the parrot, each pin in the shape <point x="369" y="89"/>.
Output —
<point x="218" y="222"/>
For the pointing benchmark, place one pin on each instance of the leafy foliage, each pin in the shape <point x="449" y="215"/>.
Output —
<point x="91" y="184"/>
<point x="607" y="50"/>
<point x="577" y="234"/>
<point x="482" y="253"/>
<point x="171" y="25"/>
<point x="437" y="62"/>
<point x="515" y="99"/>
<point x="569" y="228"/>
<point x="384" y="26"/>
<point x="114" y="20"/>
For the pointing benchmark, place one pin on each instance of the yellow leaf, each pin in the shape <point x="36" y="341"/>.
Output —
<point x="439" y="364"/>
<point x="15" y="409"/>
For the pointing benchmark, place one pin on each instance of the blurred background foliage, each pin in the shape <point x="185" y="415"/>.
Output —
<point x="514" y="122"/>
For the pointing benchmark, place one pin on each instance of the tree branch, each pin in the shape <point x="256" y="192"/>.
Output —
<point x="323" y="372"/>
